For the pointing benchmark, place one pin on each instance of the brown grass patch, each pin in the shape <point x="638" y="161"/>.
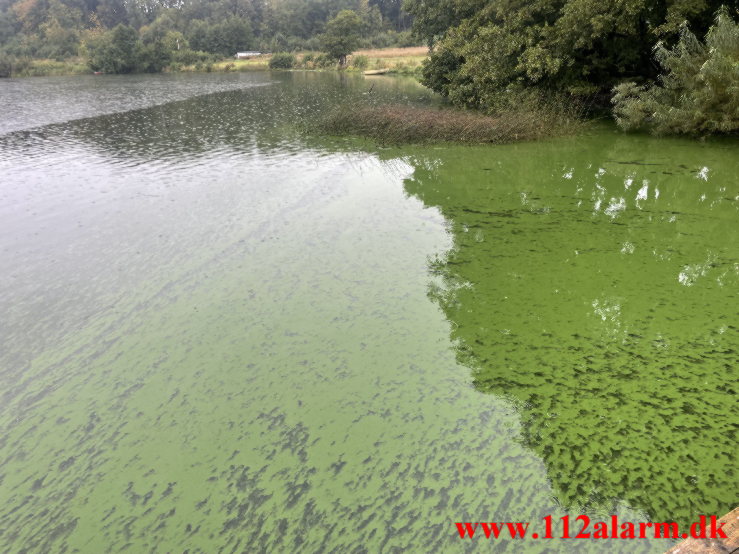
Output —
<point x="409" y="52"/>
<point x="407" y="124"/>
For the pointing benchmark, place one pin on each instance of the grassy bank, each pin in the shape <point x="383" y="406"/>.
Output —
<point x="408" y="124"/>
<point x="395" y="60"/>
<point x="25" y="67"/>
<point x="404" y="61"/>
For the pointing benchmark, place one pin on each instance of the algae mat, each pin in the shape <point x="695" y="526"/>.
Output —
<point x="222" y="335"/>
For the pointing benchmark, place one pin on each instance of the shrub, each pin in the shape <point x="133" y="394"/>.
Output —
<point x="698" y="92"/>
<point x="21" y="66"/>
<point x="313" y="43"/>
<point x="185" y="56"/>
<point x="6" y="66"/>
<point x="360" y="62"/>
<point x="152" y="57"/>
<point x="282" y="60"/>
<point x="324" y="60"/>
<point x="114" y="51"/>
<point x="307" y="61"/>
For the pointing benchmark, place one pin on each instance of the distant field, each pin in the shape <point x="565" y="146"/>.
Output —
<point x="395" y="60"/>
<point x="409" y="52"/>
<point x="258" y="63"/>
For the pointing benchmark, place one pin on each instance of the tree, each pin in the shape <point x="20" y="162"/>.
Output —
<point x="342" y="35"/>
<point x="65" y="28"/>
<point x="698" y="91"/>
<point x="485" y="47"/>
<point x="113" y="51"/>
<point x="431" y="20"/>
<point x="111" y="13"/>
<point x="233" y="35"/>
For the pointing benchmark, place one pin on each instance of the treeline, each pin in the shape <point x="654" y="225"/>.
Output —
<point x="491" y="53"/>
<point x="146" y="35"/>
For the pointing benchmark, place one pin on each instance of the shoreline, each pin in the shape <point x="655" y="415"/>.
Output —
<point x="392" y="61"/>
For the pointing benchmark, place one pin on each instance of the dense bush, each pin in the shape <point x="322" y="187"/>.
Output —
<point x="698" y="92"/>
<point x="483" y="47"/>
<point x="6" y="66"/>
<point x="152" y="57"/>
<point x="224" y="38"/>
<point x="122" y="50"/>
<point x="324" y="61"/>
<point x="307" y="60"/>
<point x="360" y="62"/>
<point x="387" y="39"/>
<point x="190" y="57"/>
<point x="114" y="51"/>
<point x="282" y="60"/>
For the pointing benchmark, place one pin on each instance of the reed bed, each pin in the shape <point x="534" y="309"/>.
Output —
<point x="397" y="124"/>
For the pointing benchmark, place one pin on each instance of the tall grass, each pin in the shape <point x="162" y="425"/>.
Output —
<point x="408" y="52"/>
<point x="26" y="67"/>
<point x="397" y="124"/>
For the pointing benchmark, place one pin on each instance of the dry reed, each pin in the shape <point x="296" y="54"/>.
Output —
<point x="407" y="52"/>
<point x="408" y="124"/>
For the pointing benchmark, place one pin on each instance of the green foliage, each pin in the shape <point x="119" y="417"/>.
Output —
<point x="122" y="51"/>
<point x="186" y="56"/>
<point x="224" y="38"/>
<point x="432" y="20"/>
<point x="360" y="62"/>
<point x="9" y="26"/>
<point x="158" y="29"/>
<point x="6" y="66"/>
<point x="61" y="29"/>
<point x="324" y="61"/>
<point x="342" y="35"/>
<point x="114" y="51"/>
<point x="698" y="91"/>
<point x="484" y="47"/>
<point x="282" y="60"/>
<point x="152" y="57"/>
<point x="387" y="39"/>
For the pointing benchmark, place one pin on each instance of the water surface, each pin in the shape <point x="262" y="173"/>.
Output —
<point x="222" y="334"/>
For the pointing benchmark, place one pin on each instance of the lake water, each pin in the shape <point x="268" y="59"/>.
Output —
<point x="219" y="333"/>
